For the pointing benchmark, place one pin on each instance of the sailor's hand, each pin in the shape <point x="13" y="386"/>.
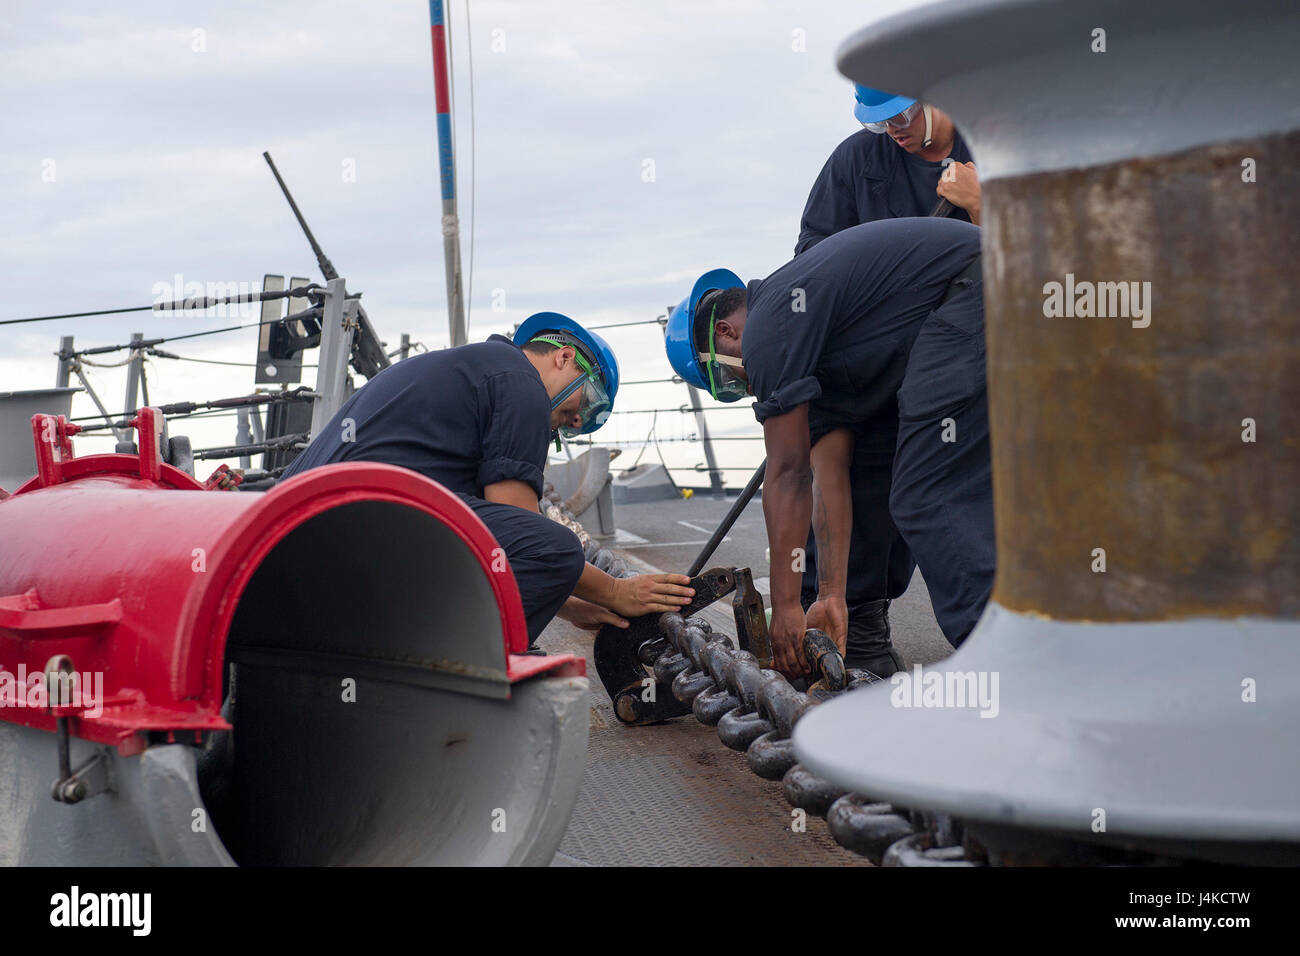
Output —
<point x="960" y="185"/>
<point x="651" y="594"/>
<point x="831" y="614"/>
<point x="786" y="632"/>
<point x="588" y="616"/>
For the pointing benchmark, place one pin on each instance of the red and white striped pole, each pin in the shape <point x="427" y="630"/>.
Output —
<point x="447" y="172"/>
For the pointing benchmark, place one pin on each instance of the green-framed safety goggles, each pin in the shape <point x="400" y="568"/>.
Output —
<point x="724" y="384"/>
<point x="595" y="405"/>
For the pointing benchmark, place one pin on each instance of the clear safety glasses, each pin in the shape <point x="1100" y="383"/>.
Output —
<point x="595" y="405"/>
<point x="724" y="384"/>
<point x="901" y="121"/>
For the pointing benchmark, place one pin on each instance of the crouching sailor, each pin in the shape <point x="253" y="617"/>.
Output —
<point x="478" y="419"/>
<point x="882" y="313"/>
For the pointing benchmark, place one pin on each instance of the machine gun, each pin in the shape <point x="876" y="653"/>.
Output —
<point x="368" y="356"/>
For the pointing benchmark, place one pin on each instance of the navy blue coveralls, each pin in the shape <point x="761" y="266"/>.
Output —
<point x="893" y="323"/>
<point x="466" y="417"/>
<point x="867" y="178"/>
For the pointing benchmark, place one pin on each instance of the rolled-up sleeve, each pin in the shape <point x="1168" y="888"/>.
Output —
<point x="514" y="425"/>
<point x="510" y="469"/>
<point x="788" y="397"/>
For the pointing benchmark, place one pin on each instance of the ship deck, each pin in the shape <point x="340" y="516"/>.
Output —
<point x="671" y="794"/>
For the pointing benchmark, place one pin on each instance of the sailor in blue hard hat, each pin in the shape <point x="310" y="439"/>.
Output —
<point x="908" y="156"/>
<point x="891" y="169"/>
<point x="584" y="403"/>
<point x="720" y="375"/>
<point x="870" y="344"/>
<point x="875" y="106"/>
<point x="479" y="419"/>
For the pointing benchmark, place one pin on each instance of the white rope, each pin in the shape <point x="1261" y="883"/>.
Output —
<point x="132" y="355"/>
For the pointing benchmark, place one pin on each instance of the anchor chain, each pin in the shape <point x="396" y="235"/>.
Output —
<point x="755" y="708"/>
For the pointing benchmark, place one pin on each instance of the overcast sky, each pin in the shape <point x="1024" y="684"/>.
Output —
<point x="133" y="148"/>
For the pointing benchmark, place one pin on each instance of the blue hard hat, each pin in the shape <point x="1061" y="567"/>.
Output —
<point x="594" y="348"/>
<point x="876" y="106"/>
<point x="679" y="338"/>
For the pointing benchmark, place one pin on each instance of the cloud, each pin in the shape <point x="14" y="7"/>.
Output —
<point x="157" y="149"/>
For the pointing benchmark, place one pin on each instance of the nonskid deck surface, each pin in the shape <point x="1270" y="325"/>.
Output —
<point x="671" y="794"/>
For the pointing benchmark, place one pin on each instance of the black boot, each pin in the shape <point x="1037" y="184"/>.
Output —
<point x="869" y="644"/>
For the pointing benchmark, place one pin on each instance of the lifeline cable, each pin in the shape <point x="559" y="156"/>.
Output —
<point x="182" y="305"/>
<point x="150" y="343"/>
<point x="159" y="353"/>
<point x="663" y="320"/>
<point x="300" y="394"/>
<point x="76" y="315"/>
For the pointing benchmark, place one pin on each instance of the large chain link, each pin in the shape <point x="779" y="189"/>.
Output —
<point x="755" y="709"/>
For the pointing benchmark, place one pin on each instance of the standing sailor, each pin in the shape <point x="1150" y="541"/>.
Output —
<point x="893" y="168"/>
<point x="881" y="316"/>
<point x="478" y="419"/>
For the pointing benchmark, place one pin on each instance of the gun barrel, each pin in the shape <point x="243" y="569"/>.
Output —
<point x="326" y="267"/>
